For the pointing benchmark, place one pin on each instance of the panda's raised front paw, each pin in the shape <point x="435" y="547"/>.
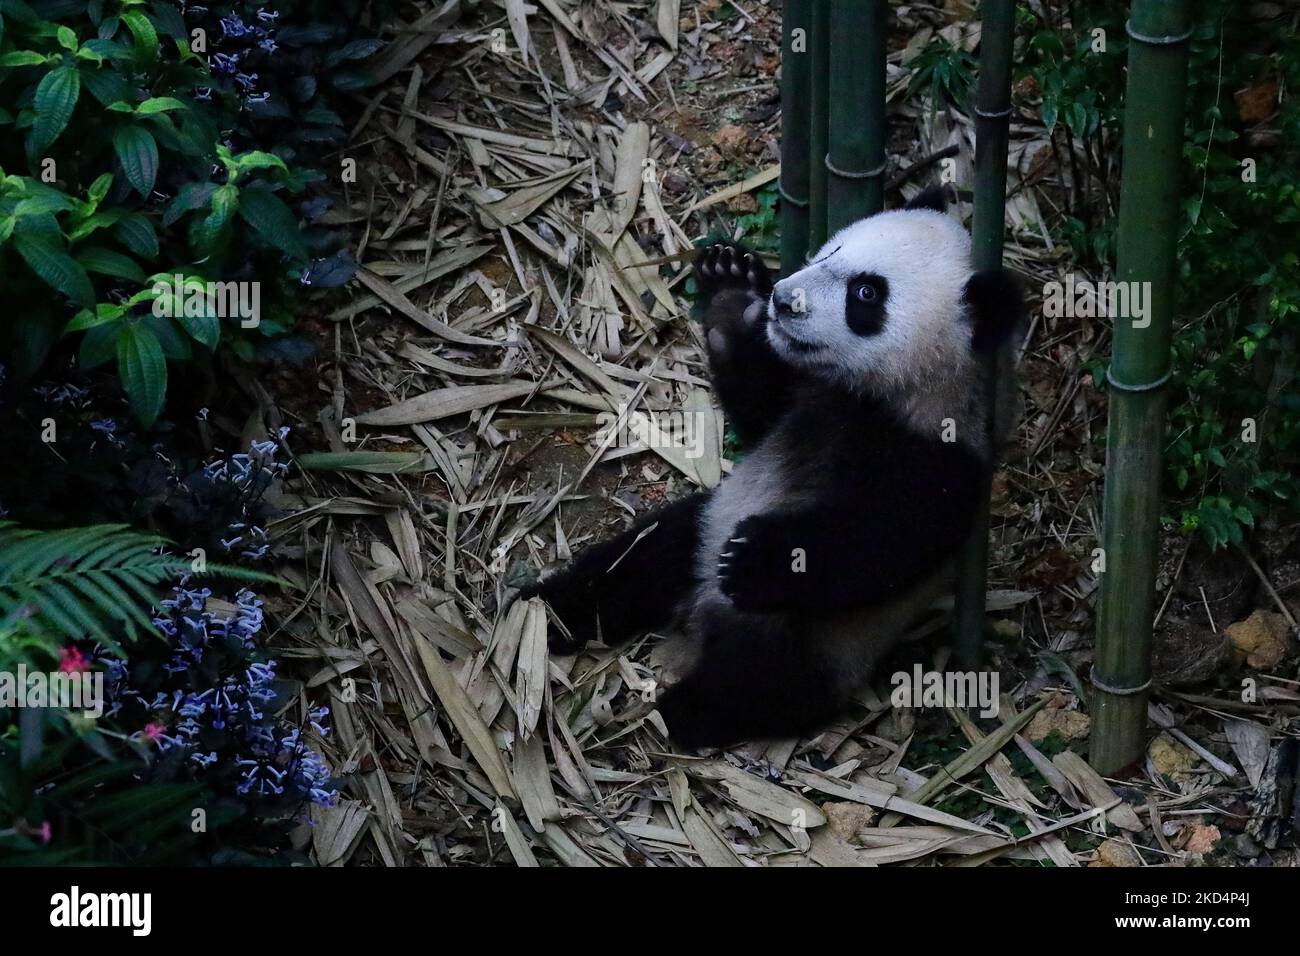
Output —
<point x="731" y="265"/>
<point x="757" y="566"/>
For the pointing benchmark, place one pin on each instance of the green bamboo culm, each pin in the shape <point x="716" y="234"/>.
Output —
<point x="818" y="119"/>
<point x="1140" y="361"/>
<point x="855" y="156"/>
<point x="796" y="109"/>
<point x="992" y="123"/>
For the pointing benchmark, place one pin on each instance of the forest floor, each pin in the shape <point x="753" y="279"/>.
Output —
<point x="521" y="221"/>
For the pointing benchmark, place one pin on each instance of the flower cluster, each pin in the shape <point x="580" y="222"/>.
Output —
<point x="240" y="41"/>
<point x="227" y="495"/>
<point x="211" y="704"/>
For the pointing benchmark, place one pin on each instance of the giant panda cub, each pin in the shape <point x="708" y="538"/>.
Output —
<point x="854" y="386"/>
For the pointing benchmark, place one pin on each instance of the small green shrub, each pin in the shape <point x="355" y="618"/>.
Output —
<point x="131" y="160"/>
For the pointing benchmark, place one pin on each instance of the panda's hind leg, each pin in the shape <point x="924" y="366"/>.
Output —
<point x="630" y="584"/>
<point x="756" y="676"/>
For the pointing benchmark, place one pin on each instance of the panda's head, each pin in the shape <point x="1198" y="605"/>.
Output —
<point x="885" y="307"/>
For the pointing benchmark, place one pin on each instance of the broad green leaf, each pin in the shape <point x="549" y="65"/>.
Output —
<point x="146" y="37"/>
<point x="44" y="203"/>
<point x="143" y="370"/>
<point x="67" y="38"/>
<point x="97" y="346"/>
<point x="56" y="268"/>
<point x="175" y="346"/>
<point x="100" y="187"/>
<point x="257" y="159"/>
<point x="110" y="263"/>
<point x="159" y="104"/>
<point x="269" y="215"/>
<point x="103" y="314"/>
<point x="23" y="58"/>
<point x="101" y="219"/>
<point x="189" y="197"/>
<point x="56" y="98"/>
<point x="137" y="151"/>
<point x="136" y="232"/>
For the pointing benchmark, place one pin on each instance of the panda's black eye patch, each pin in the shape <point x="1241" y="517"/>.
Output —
<point x="864" y="306"/>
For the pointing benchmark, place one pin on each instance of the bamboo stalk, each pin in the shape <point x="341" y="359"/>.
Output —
<point x="796" y="109"/>
<point x="818" y="120"/>
<point x="992" y="122"/>
<point x="855" y="157"/>
<point x="1147" y="253"/>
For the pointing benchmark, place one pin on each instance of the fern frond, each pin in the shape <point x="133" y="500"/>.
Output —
<point x="83" y="582"/>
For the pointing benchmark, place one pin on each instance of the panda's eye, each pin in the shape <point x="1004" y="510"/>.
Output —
<point x="865" y="292"/>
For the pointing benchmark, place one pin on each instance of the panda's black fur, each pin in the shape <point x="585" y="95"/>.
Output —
<point x="875" y="508"/>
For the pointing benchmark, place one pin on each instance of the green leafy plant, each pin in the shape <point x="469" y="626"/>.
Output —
<point x="89" y="582"/>
<point x="1234" y="414"/>
<point x="127" y="161"/>
<point x="947" y="72"/>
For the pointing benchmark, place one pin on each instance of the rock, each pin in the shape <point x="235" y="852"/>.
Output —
<point x="1070" y="724"/>
<point x="1244" y="847"/>
<point x="1116" y="853"/>
<point x="1201" y="840"/>
<point x="846" y="819"/>
<point x="1257" y="104"/>
<point x="1171" y="758"/>
<point x="732" y="141"/>
<point x="743" y="203"/>
<point x="1261" y="639"/>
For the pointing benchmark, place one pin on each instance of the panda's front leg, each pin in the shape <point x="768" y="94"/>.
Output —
<point x="750" y="380"/>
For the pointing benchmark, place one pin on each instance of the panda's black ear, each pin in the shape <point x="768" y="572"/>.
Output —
<point x="997" y="308"/>
<point x="935" y="198"/>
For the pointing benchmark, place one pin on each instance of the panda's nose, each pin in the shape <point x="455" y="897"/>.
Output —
<point x="783" y="302"/>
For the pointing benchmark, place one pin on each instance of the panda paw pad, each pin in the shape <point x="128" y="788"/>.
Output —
<point x="727" y="264"/>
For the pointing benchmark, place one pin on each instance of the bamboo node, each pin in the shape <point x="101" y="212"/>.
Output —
<point x="846" y="174"/>
<point x="1111" y="689"/>
<point x="993" y="114"/>
<point x="1172" y="39"/>
<point x="1145" y="387"/>
<point x="786" y="197"/>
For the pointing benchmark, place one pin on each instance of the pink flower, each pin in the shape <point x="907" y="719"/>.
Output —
<point x="154" y="731"/>
<point x="72" y="661"/>
<point x="45" y="832"/>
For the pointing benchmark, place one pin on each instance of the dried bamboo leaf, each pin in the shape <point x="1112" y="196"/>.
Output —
<point x="1097" y="791"/>
<point x="530" y="671"/>
<point x="444" y="403"/>
<point x="749" y="184"/>
<point x="465" y="717"/>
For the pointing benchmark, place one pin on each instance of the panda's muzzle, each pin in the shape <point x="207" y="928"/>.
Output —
<point x="783" y="304"/>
